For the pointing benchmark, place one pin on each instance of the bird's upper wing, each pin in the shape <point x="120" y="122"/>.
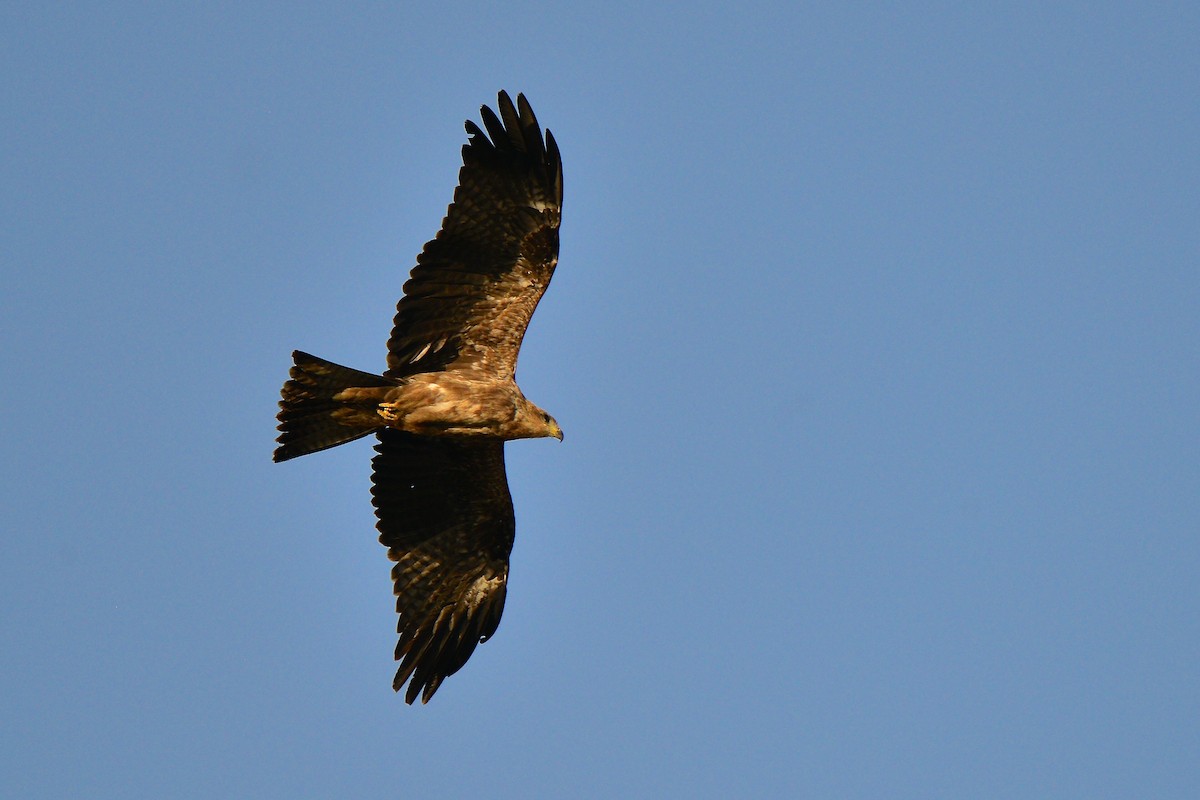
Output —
<point x="446" y="517"/>
<point x="469" y="299"/>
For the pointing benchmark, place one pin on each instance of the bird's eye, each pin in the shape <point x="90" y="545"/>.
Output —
<point x="545" y="416"/>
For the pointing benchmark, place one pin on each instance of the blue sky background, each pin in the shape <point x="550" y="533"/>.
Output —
<point x="875" y="338"/>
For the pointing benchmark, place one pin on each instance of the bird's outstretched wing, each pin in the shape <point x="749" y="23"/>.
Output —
<point x="469" y="299"/>
<point x="446" y="517"/>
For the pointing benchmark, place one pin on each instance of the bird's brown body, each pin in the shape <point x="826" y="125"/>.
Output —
<point x="446" y="404"/>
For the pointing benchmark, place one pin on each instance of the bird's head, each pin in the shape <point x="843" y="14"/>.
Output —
<point x="536" y="423"/>
<point x="552" y="428"/>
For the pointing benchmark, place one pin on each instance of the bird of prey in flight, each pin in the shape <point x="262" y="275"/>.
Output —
<point x="448" y="400"/>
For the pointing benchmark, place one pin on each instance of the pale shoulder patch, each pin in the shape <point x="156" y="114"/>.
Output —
<point x="479" y="591"/>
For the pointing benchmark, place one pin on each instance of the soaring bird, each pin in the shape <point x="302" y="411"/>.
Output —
<point x="448" y="400"/>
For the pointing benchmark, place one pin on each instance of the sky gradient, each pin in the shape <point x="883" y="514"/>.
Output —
<point x="875" y="339"/>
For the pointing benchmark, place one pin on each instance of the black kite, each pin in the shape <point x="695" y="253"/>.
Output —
<point x="448" y="400"/>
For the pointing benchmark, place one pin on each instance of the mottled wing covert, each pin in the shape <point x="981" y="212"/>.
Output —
<point x="469" y="299"/>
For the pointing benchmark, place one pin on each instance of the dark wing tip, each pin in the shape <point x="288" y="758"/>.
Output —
<point x="495" y="127"/>
<point x="514" y="128"/>
<point x="438" y="646"/>
<point x="554" y="165"/>
<point x="476" y="138"/>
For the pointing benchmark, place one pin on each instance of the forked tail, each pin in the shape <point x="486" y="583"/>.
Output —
<point x="310" y="419"/>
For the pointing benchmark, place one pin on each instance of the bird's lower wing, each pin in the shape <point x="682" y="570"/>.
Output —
<point x="446" y="517"/>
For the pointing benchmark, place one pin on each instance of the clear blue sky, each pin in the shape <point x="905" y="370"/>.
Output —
<point x="875" y="338"/>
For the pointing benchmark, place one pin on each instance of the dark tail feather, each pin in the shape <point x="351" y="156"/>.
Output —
<point x="309" y="418"/>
